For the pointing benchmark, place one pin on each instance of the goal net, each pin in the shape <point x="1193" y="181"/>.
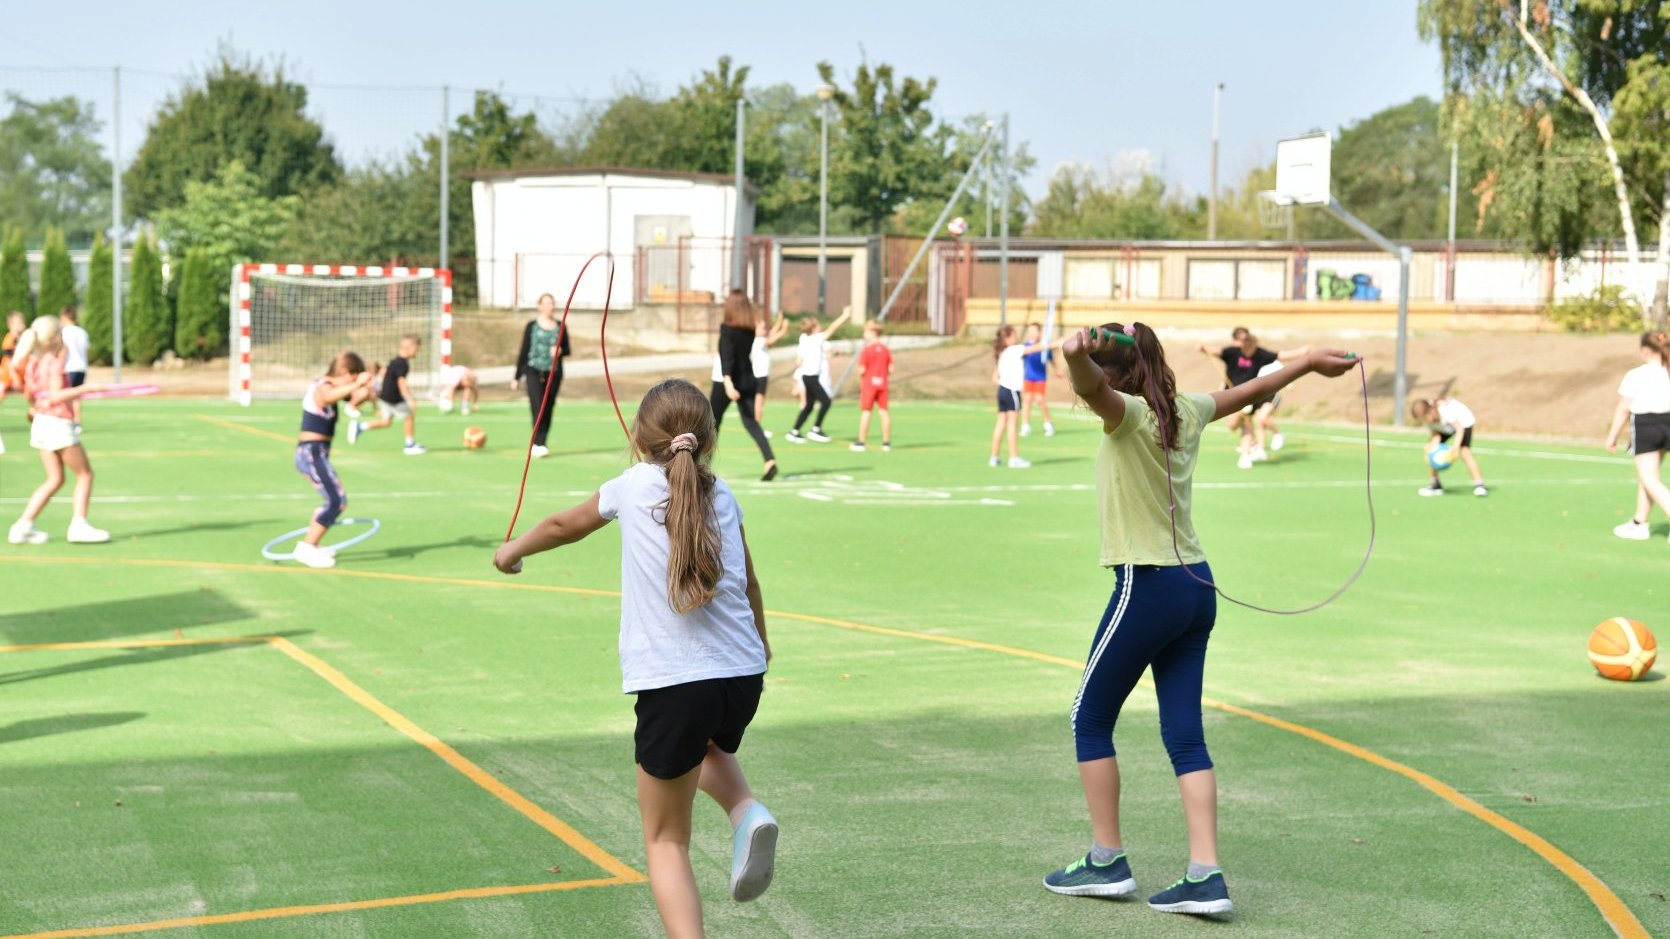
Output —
<point x="290" y="320"/>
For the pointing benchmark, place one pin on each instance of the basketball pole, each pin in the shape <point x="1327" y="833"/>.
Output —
<point x="1400" y="385"/>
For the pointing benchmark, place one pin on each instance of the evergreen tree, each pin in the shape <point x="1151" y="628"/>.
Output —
<point x="14" y="275"/>
<point x="200" y="329"/>
<point x="145" y="329"/>
<point x="57" y="275"/>
<point x="95" y="313"/>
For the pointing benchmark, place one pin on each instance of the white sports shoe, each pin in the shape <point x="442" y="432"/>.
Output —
<point x="1245" y="462"/>
<point x="753" y="853"/>
<point x="1431" y="490"/>
<point x="1016" y="462"/>
<point x="1276" y="443"/>
<point x="355" y="428"/>
<point x="1480" y="491"/>
<point x="1049" y="429"/>
<point x="1258" y="455"/>
<point x="816" y="435"/>
<point x="82" y="532"/>
<point x="445" y="404"/>
<point x="1633" y="530"/>
<point x="856" y="447"/>
<point x="540" y="451"/>
<point x="1026" y="430"/>
<point x="996" y="461"/>
<point x="352" y="412"/>
<point x="23" y="532"/>
<point x="314" y="556"/>
<point x="415" y="449"/>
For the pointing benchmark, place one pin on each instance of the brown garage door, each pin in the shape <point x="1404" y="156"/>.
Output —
<point x="800" y="285"/>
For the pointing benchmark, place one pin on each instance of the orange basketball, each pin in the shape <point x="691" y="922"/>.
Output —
<point x="474" y="438"/>
<point x="1622" y="649"/>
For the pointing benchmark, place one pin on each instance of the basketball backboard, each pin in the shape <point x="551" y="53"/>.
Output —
<point x="1302" y="170"/>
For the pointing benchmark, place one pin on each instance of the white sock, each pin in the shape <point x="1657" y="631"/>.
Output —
<point x="741" y="809"/>
<point x="410" y="441"/>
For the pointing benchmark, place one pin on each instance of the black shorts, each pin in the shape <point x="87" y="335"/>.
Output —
<point x="675" y="723"/>
<point x="1466" y="438"/>
<point x="1007" y="400"/>
<point x="1650" y="433"/>
<point x="75" y="379"/>
<point x="760" y="383"/>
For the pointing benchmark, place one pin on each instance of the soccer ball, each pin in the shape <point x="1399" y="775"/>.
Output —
<point x="1441" y="457"/>
<point x="475" y="438"/>
<point x="957" y="226"/>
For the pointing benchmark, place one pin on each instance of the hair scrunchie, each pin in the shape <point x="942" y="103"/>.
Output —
<point x="683" y="443"/>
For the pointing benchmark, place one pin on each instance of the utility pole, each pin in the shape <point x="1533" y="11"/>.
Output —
<point x="739" y="235"/>
<point x="116" y="225"/>
<point x="446" y="177"/>
<point x="1449" y="274"/>
<point x="825" y="93"/>
<point x="1003" y="232"/>
<point x="1212" y="200"/>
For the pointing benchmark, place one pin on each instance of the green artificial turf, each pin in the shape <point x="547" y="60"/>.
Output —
<point x="924" y="788"/>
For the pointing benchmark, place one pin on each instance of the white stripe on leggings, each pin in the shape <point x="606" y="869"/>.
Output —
<point x="1113" y="624"/>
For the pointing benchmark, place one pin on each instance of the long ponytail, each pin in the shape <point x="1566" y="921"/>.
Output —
<point x="674" y="427"/>
<point x="1140" y="369"/>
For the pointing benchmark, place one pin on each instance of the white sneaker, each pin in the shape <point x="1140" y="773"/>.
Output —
<point x="540" y="451"/>
<point x="1245" y="462"/>
<point x="1026" y="430"/>
<point x="82" y="532"/>
<point x="415" y="449"/>
<point x="1049" y="429"/>
<point x="817" y="436"/>
<point x="768" y="435"/>
<point x="996" y="461"/>
<point x="352" y="412"/>
<point x="445" y="404"/>
<point x="1480" y="491"/>
<point x="1258" y="455"/>
<point x="24" y="532"/>
<point x="355" y="428"/>
<point x="794" y="436"/>
<point x="753" y="854"/>
<point x="1633" y="530"/>
<point x="314" y="556"/>
<point x="1276" y="443"/>
<point x="856" y="448"/>
<point x="1431" y="490"/>
<point x="1016" y="462"/>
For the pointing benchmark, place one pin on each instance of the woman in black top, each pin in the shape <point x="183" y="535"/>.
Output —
<point x="544" y="346"/>
<point x="736" y="341"/>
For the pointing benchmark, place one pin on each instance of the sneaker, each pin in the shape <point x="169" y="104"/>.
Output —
<point x="1208" y="895"/>
<point x="1085" y="878"/>
<point x="770" y="472"/>
<point x="794" y="436"/>
<point x="1245" y="462"/>
<point x="886" y="447"/>
<point x="768" y="435"/>
<point x="1258" y="455"/>
<point x="1026" y="430"/>
<point x="1016" y="462"/>
<point x="415" y="449"/>
<point x="996" y="461"/>
<point x="465" y="410"/>
<point x="1276" y="443"/>
<point x="1631" y="530"/>
<point x="816" y="435"/>
<point x="25" y="532"/>
<point x="1049" y="429"/>
<point x="753" y="854"/>
<point x="1480" y="491"/>
<point x="82" y="532"/>
<point x="857" y="447"/>
<point x="355" y="428"/>
<point x="312" y="555"/>
<point x="352" y="412"/>
<point x="1431" y="490"/>
<point x="541" y="451"/>
<point x="445" y="405"/>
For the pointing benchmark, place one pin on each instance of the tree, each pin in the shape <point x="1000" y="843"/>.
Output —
<point x="1127" y="200"/>
<point x="57" y="275"/>
<point x="52" y="169"/>
<point x="239" y="111"/>
<point x="985" y="187"/>
<point x="96" y="315"/>
<point x="889" y="150"/>
<point x="200" y="326"/>
<point x="146" y="331"/>
<point x="14" y="274"/>
<point x="229" y="219"/>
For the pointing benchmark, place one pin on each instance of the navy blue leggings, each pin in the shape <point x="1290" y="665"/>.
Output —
<point x="1158" y="617"/>
<point x="313" y="460"/>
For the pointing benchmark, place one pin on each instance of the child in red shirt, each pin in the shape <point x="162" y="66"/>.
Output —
<point x="875" y="363"/>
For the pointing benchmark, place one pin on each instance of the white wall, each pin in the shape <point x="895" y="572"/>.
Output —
<point x="534" y="233"/>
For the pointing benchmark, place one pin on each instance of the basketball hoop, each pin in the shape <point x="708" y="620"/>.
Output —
<point x="1275" y="210"/>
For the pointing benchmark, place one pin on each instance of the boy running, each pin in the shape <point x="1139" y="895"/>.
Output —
<point x="394" y="399"/>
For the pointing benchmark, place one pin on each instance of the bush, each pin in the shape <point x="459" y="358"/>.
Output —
<point x="57" y="275"/>
<point x="1608" y="310"/>
<point x="14" y="275"/>
<point x="146" y="332"/>
<point x="95" y="313"/>
<point x="200" y="329"/>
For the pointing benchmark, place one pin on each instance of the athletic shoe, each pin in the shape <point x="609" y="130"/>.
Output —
<point x="1258" y="455"/>
<point x="1480" y="491"/>
<point x="1245" y="462"/>
<point x="996" y="461"/>
<point x="1631" y="530"/>
<point x="794" y="436"/>
<point x="1431" y="490"/>
<point x="1016" y="462"/>
<point x="1207" y="895"/>
<point x="445" y="404"/>
<point x="1026" y="430"/>
<point x="1086" y="878"/>
<point x="770" y="474"/>
<point x="352" y="412"/>
<point x="82" y="532"/>
<point x="1049" y="429"/>
<point x="768" y="435"/>
<point x="541" y="451"/>
<point x="415" y="449"/>
<point x="355" y="428"/>
<point x="24" y="532"/>
<point x="857" y="447"/>
<point x="753" y="854"/>
<point x="886" y="447"/>
<point x="1276" y="443"/>
<point x="314" y="556"/>
<point x="465" y="409"/>
<point x="816" y="435"/>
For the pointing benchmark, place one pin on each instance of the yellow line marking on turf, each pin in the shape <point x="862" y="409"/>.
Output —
<point x="235" y="425"/>
<point x="1611" y="908"/>
<point x="280" y="912"/>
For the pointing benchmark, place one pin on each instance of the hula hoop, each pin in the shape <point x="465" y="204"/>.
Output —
<point x="272" y="555"/>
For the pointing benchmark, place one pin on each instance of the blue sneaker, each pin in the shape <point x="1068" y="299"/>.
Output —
<point x="753" y="854"/>
<point x="1209" y="895"/>
<point x="1085" y="878"/>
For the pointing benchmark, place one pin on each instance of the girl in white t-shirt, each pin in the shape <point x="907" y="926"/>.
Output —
<point x="759" y="357"/>
<point x="813" y="369"/>
<point x="1644" y="400"/>
<point x="692" y="641"/>
<point x="1010" y="376"/>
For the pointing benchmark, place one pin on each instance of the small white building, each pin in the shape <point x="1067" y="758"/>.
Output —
<point x="535" y="228"/>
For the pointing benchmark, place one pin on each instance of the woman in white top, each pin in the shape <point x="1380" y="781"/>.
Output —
<point x="692" y="641"/>
<point x="813" y="369"/>
<point x="1010" y="376"/>
<point x="1644" y="399"/>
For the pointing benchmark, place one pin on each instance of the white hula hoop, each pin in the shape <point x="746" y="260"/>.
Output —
<point x="268" y="552"/>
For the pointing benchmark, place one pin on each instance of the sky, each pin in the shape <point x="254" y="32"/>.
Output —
<point x="1099" y="82"/>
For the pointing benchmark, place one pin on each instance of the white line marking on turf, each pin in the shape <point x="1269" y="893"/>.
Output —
<point x="1488" y="451"/>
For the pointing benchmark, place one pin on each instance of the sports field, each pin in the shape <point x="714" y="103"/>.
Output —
<point x="198" y="742"/>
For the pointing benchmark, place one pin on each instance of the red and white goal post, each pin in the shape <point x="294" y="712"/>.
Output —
<point x="290" y="321"/>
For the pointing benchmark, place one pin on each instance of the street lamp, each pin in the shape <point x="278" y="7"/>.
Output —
<point x="825" y="93"/>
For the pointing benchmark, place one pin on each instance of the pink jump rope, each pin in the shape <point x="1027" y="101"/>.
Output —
<point x="1128" y="338"/>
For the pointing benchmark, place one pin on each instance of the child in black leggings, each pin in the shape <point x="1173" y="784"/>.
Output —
<point x="733" y="379"/>
<point x="813" y="369"/>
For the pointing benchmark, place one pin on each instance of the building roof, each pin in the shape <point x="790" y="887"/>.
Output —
<point x="720" y="179"/>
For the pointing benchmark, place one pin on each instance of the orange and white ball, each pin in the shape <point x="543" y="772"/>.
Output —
<point x="475" y="438"/>
<point x="1622" y="649"/>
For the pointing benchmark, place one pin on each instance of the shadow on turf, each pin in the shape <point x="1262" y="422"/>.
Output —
<point x="406" y="552"/>
<point x="199" y="528"/>
<point x="112" y="619"/>
<point x="63" y="724"/>
<point x="141" y="656"/>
